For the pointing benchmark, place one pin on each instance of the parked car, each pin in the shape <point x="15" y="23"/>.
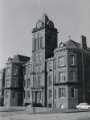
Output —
<point x="83" y="106"/>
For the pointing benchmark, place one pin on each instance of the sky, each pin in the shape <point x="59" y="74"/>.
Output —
<point x="18" y="17"/>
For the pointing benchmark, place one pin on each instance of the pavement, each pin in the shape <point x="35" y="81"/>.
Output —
<point x="22" y="115"/>
<point x="12" y="109"/>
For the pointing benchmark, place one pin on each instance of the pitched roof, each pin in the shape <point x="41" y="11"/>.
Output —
<point x="72" y="44"/>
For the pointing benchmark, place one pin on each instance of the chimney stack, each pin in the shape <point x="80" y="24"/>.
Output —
<point x="84" y="42"/>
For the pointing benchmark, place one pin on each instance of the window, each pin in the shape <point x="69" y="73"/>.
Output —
<point x="6" y="94"/>
<point x="55" y="78"/>
<point x="55" y="93"/>
<point x="39" y="96"/>
<point x="73" y="92"/>
<point x="50" y="79"/>
<point x="72" y="75"/>
<point x="8" y="71"/>
<point x="13" y="94"/>
<point x="61" y="61"/>
<point x="7" y="83"/>
<point x="34" y="81"/>
<point x="50" y="93"/>
<point x="55" y="64"/>
<point x="72" y="60"/>
<point x="62" y="76"/>
<point x="61" y="92"/>
<point x="40" y="42"/>
<point x="39" y="80"/>
<point x="15" y="69"/>
<point x="27" y="94"/>
<point x="28" y="83"/>
<point x="34" y="43"/>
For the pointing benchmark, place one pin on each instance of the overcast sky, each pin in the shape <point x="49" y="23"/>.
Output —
<point x="17" y="18"/>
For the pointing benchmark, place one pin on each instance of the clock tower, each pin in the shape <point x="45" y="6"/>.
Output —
<point x="44" y="42"/>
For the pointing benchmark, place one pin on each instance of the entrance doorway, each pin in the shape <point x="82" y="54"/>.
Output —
<point x="36" y="99"/>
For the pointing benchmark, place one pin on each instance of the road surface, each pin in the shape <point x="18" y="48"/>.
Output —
<point x="49" y="116"/>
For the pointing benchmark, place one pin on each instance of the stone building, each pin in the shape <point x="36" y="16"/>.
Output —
<point x="60" y="75"/>
<point x="50" y="81"/>
<point x="56" y="76"/>
<point x="2" y="85"/>
<point x="13" y="93"/>
<point x="66" y="75"/>
<point x="43" y="43"/>
<point x="28" y="79"/>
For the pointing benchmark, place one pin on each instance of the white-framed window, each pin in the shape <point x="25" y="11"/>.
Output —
<point x="61" y="61"/>
<point x="61" y="92"/>
<point x="74" y="92"/>
<point x="62" y="76"/>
